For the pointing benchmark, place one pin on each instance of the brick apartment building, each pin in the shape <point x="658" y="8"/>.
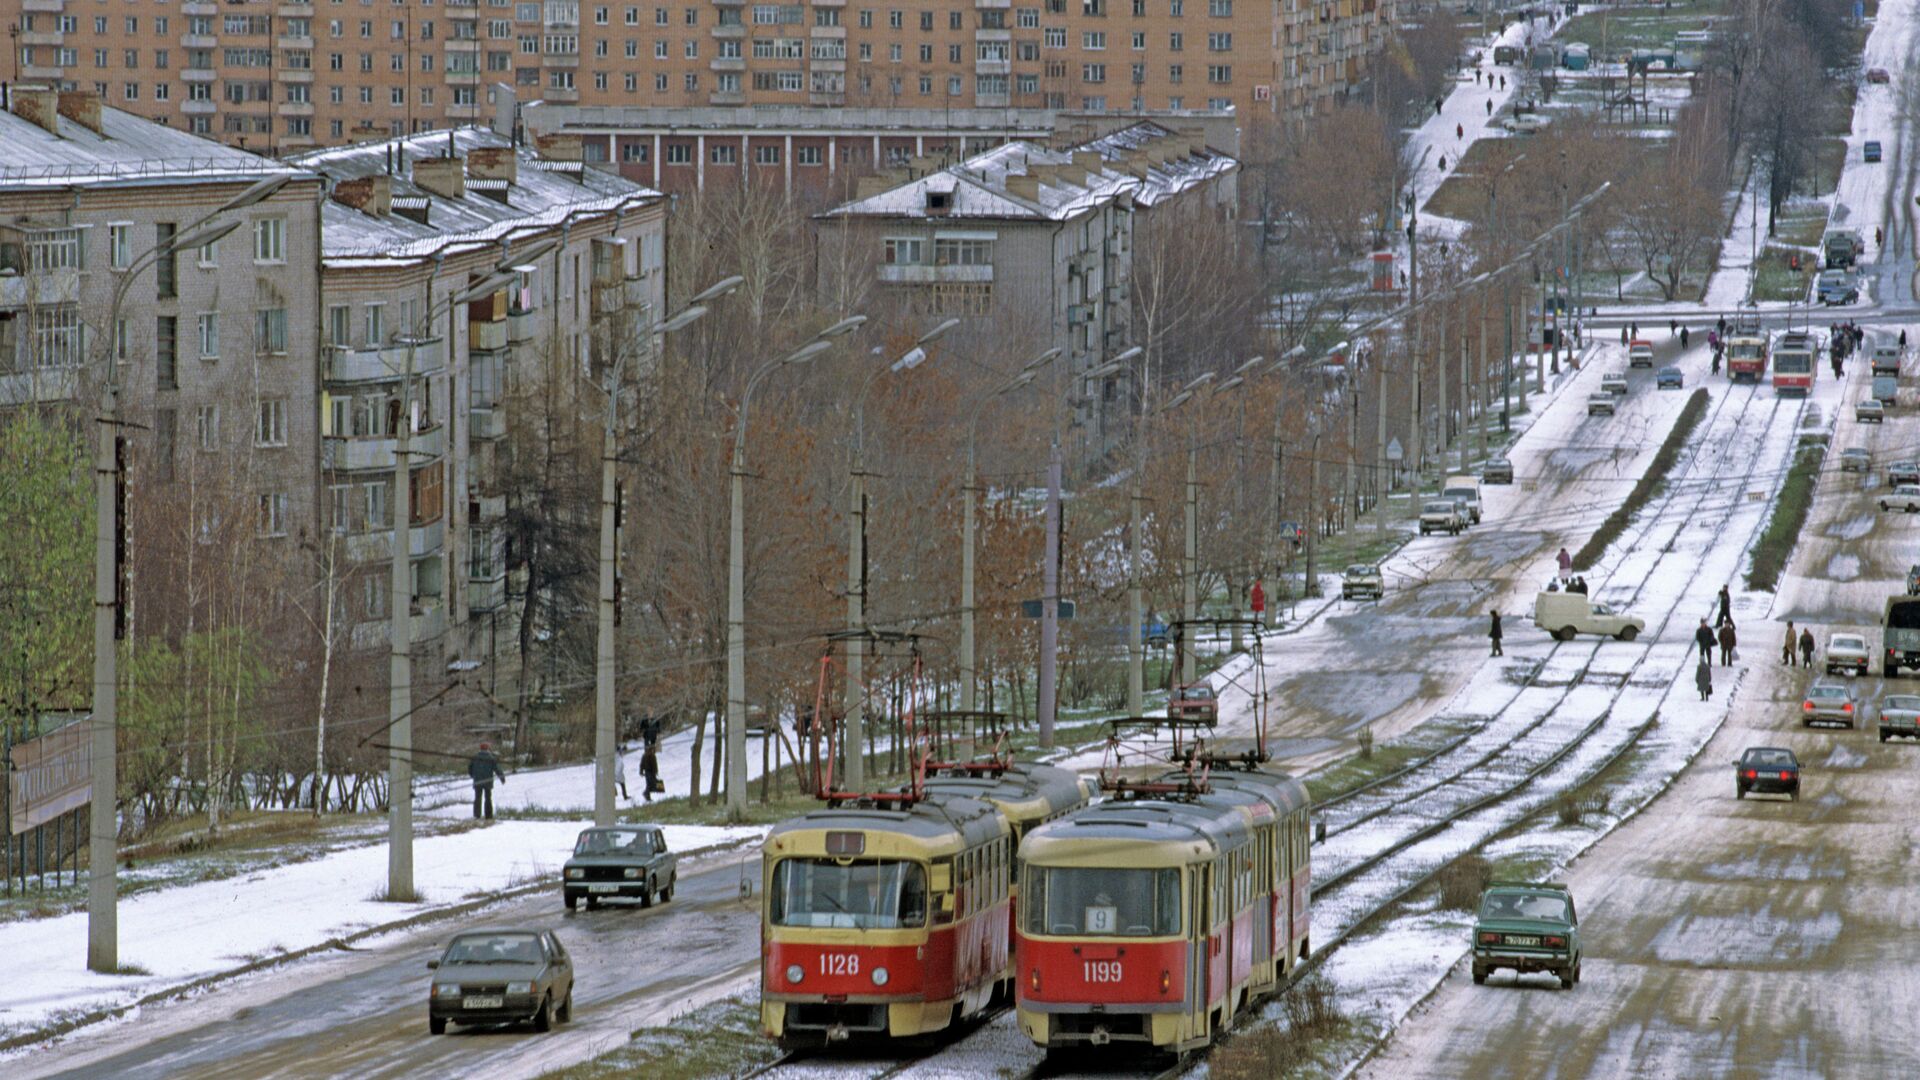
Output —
<point x="278" y="75"/>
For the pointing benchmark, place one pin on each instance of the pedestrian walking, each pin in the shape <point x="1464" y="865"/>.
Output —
<point x="1635" y="328"/>
<point x="1786" y="651"/>
<point x="1704" y="636"/>
<point x="1578" y="585"/>
<point x="1683" y="337"/>
<point x="1443" y="163"/>
<point x="1720" y="324"/>
<point x="1566" y="564"/>
<point x="1903" y="339"/>
<point x="1493" y="632"/>
<point x="1436" y="106"/>
<point x="1459" y="131"/>
<point x="1726" y="607"/>
<point x="1806" y="647"/>
<point x="1673" y="327"/>
<point x="1623" y="337"/>
<point x="1836" y="365"/>
<point x="1727" y="641"/>
<point x="1703" y="680"/>
<point x="1503" y="82"/>
<point x="1489" y="107"/>
<point x="649" y="772"/>
<point x="620" y="769"/>
<point x="483" y="769"/>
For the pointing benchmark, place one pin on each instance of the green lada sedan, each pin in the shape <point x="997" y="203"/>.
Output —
<point x="1526" y="927"/>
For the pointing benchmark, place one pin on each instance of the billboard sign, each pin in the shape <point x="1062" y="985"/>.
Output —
<point x="52" y="775"/>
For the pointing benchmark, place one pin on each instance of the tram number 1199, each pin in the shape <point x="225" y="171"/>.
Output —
<point x="839" y="963"/>
<point x="1101" y="971"/>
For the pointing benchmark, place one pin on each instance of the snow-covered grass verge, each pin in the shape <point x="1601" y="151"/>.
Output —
<point x="186" y="936"/>
<point x="721" y="1039"/>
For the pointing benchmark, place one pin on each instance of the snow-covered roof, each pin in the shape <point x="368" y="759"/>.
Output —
<point x="542" y="195"/>
<point x="979" y="187"/>
<point x="128" y="151"/>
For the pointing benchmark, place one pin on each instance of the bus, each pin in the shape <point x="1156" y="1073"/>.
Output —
<point x="1793" y="359"/>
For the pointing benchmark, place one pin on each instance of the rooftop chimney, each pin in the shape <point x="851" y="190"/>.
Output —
<point x="371" y="195"/>
<point x="367" y="133"/>
<point x="493" y="163"/>
<point x="444" y="176"/>
<point x="83" y="108"/>
<point x="868" y="186"/>
<point x="1090" y="160"/>
<point x="1023" y="186"/>
<point x="37" y="103"/>
<point x="559" y="146"/>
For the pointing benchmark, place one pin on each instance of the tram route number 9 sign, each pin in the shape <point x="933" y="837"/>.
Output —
<point x="52" y="775"/>
<point x="1100" y="919"/>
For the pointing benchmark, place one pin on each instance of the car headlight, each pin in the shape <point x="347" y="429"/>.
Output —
<point x="794" y="973"/>
<point x="632" y="873"/>
<point x="519" y="988"/>
<point x="446" y="990"/>
<point x="574" y="873"/>
<point x="879" y="976"/>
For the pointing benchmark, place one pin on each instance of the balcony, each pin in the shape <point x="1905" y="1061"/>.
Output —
<point x="293" y="75"/>
<point x="560" y="60"/>
<point x="927" y="275"/>
<point x="375" y="452"/>
<point x="521" y="326"/>
<point x="733" y="31"/>
<point x="487" y="336"/>
<point x="45" y="384"/>
<point x="461" y="45"/>
<point x="608" y="299"/>
<point x="41" y="37"/>
<point x="199" y="108"/>
<point x="50" y="7"/>
<point x="830" y="32"/>
<point x="199" y="7"/>
<point x="303" y="41"/>
<point x="994" y="35"/>
<point x="462" y="11"/>
<point x="485" y="423"/>
<point x="205" y="75"/>
<point x="463" y="112"/>
<point x="489" y="508"/>
<point x="377" y="547"/>
<point x="730" y="3"/>
<point x="385" y="364"/>
<point x="564" y="96"/>
<point x="199" y="41"/>
<point x="295" y="9"/>
<point x="993" y="67"/>
<point x="41" y="287"/>
<point x="294" y="108"/>
<point x="727" y="63"/>
<point x="488" y="595"/>
<point x="640" y="291"/>
<point x="826" y="97"/>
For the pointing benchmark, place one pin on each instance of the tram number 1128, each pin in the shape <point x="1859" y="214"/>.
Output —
<point x="839" y="963"/>
<point x="1101" y="971"/>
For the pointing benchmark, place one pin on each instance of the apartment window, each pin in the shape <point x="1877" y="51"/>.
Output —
<point x="99" y="24"/>
<point x="693" y="50"/>
<point x="1219" y="73"/>
<point x="826" y="16"/>
<point x="903" y="250"/>
<point x="893" y="20"/>
<point x="130" y="58"/>
<point x="99" y="58"/>
<point x="209" y="335"/>
<point x="340" y="325"/>
<point x="1139" y="39"/>
<point x="1093" y="7"/>
<point x="993" y="19"/>
<point x="336" y="95"/>
<point x="599" y="83"/>
<point x="270" y="331"/>
<point x="926" y="85"/>
<point x="926" y="54"/>
<point x="1139" y="9"/>
<point x="1027" y="84"/>
<point x="724" y="154"/>
<point x="693" y="15"/>
<point x="397" y="96"/>
<point x="893" y="53"/>
<point x="1175" y="73"/>
<point x="206" y="427"/>
<point x="766" y="155"/>
<point x="692" y="83"/>
<point x="633" y="152"/>
<point x="926" y="21"/>
<point x="162" y="92"/>
<point x="953" y="86"/>
<point x="1176" y="42"/>
<point x="1220" y="9"/>
<point x="1093" y="39"/>
<point x="1219" y="42"/>
<point x="166" y="282"/>
<point x="953" y="54"/>
<point x="165" y="423"/>
<point x="866" y="50"/>
<point x="1027" y="18"/>
<point x="1029" y="50"/>
<point x="679" y="154"/>
<point x="375" y="325"/>
<point x="166" y="353"/>
<point x="1176" y="8"/>
<point x="600" y="47"/>
<point x="599" y="16"/>
<point x="659" y="50"/>
<point x="1056" y="37"/>
<point x="633" y="16"/>
<point x="56" y="249"/>
<point x="660" y="82"/>
<point x="272" y="430"/>
<point x="633" y="48"/>
<point x="1093" y="73"/>
<point x="1176" y="103"/>
<point x="378" y="594"/>
<point x="120" y="340"/>
<point x="807" y="155"/>
<point x="162" y="59"/>
<point x="273" y="513"/>
<point x="119" y="245"/>
<point x="632" y="82"/>
<point x="1096" y="103"/>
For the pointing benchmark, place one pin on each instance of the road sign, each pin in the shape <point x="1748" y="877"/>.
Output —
<point x="1032" y="609"/>
<point x="1395" y="452"/>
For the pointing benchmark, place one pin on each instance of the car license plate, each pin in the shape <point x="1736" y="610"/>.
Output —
<point x="603" y="888"/>
<point x="1511" y="940"/>
<point x="489" y="1002"/>
<point x="1776" y="776"/>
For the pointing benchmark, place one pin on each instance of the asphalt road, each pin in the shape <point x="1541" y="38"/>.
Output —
<point x="364" y="1014"/>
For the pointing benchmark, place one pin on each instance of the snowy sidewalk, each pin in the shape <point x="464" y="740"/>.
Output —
<point x="181" y="935"/>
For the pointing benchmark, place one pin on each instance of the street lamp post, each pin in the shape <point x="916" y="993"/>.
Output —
<point x="606" y="718"/>
<point x="969" y="492"/>
<point x="736" y="745"/>
<point x="856" y="772"/>
<point x="103" y="895"/>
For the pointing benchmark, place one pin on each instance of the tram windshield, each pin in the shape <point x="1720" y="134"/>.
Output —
<point x="1102" y="901"/>
<point x="865" y="895"/>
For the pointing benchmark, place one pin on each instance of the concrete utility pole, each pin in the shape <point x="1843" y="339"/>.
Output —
<point x="399" y="659"/>
<point x="1416" y="456"/>
<point x="736" y="741"/>
<point x="1539" y="357"/>
<point x="1482" y="395"/>
<point x="1381" y="484"/>
<point x="1445" y="430"/>
<point x="1279" y="485"/>
<point x="1190" y="566"/>
<point x="1050" y="602"/>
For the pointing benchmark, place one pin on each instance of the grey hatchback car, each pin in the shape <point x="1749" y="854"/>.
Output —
<point x="1829" y="703"/>
<point x="1899" y="717"/>
<point x="501" y="977"/>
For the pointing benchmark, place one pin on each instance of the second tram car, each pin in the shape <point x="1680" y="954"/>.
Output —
<point x="1794" y="355"/>
<point x="1154" y="917"/>
<point x="886" y="918"/>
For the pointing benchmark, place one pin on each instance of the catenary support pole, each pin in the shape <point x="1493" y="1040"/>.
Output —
<point x="399" y="662"/>
<point x="103" y="929"/>
<point x="1050" y="603"/>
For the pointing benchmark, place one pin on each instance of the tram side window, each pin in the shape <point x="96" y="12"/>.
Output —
<point x="868" y="895"/>
<point x="1102" y="902"/>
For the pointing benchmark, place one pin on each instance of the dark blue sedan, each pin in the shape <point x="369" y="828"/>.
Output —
<point x="1669" y="379"/>
<point x="1769" y="769"/>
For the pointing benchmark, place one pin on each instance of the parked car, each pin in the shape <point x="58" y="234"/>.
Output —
<point x="628" y="862"/>
<point x="1829" y="703"/>
<point x="1639" y="353"/>
<point x="1441" y="515"/>
<point x="1767" y="769"/>
<point x="1869" y="411"/>
<point x="1877" y="75"/>
<point x="1194" y="703"/>
<point x="1856" y="459"/>
<point x="1899" y="717"/>
<point x="1615" y="383"/>
<point x="1362" y="582"/>
<point x="1903" y="472"/>
<point x="1905" y="497"/>
<point x="501" y="977"/>
<point x="1526" y="927"/>
<point x="1836" y="287"/>
<point x="1670" y="378"/>
<point x="1600" y="404"/>
<point x="1497" y="471"/>
<point x="1870" y="151"/>
<point x="1847" y="654"/>
<point x="1564" y="614"/>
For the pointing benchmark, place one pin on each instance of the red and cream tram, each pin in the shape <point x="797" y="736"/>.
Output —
<point x="1794" y="355"/>
<point x="892" y="917"/>
<point x="1157" y="915"/>
<point x="1746" y="349"/>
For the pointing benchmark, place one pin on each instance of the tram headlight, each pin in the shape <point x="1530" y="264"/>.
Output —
<point x="794" y="973"/>
<point x="879" y="976"/>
